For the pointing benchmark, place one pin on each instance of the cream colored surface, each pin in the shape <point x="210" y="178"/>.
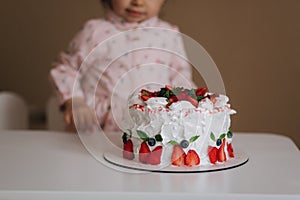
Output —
<point x="255" y="44"/>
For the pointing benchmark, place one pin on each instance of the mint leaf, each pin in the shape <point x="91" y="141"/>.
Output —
<point x="229" y="134"/>
<point x="145" y="93"/>
<point x="212" y="136"/>
<point x="172" y="142"/>
<point x="142" y="135"/>
<point x="158" y="138"/>
<point x="192" y="93"/>
<point x="199" y="98"/>
<point x="177" y="91"/>
<point x="194" y="138"/>
<point x="222" y="136"/>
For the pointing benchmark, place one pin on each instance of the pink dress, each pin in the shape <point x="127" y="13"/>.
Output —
<point x="107" y="77"/>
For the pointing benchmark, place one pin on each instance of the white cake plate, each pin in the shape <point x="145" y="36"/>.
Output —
<point x="116" y="159"/>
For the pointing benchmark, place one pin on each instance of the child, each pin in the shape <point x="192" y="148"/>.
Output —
<point x="120" y="16"/>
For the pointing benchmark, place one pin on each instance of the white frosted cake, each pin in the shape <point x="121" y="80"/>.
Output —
<point x="182" y="127"/>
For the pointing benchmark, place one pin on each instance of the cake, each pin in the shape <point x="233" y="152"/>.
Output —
<point x="179" y="127"/>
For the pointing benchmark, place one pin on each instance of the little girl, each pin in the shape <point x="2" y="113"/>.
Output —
<point x="120" y="16"/>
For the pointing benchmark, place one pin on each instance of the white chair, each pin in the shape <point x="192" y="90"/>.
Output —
<point x="13" y="111"/>
<point x="55" y="119"/>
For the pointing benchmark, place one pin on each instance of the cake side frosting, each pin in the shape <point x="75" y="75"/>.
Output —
<point x="197" y="129"/>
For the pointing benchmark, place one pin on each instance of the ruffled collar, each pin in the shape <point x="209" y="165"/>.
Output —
<point x="121" y="24"/>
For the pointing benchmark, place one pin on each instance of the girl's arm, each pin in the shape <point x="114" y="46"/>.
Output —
<point x="66" y="68"/>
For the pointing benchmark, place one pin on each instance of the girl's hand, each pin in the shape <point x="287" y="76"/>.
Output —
<point x="78" y="115"/>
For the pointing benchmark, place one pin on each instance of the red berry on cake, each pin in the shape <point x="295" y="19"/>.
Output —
<point x="168" y="87"/>
<point x="201" y="91"/>
<point x="173" y="99"/>
<point x="230" y="150"/>
<point x="144" y="152"/>
<point x="181" y="96"/>
<point x="145" y="98"/>
<point x="155" y="156"/>
<point x="178" y="156"/>
<point x="221" y="152"/>
<point x="192" y="158"/>
<point x="212" y="154"/>
<point x="193" y="101"/>
<point x="128" y="150"/>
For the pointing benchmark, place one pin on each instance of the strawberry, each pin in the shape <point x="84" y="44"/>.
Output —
<point x="201" y="91"/>
<point x="230" y="150"/>
<point x="212" y="154"/>
<point x="181" y="96"/>
<point x="178" y="156"/>
<point x="192" y="158"/>
<point x="168" y="87"/>
<point x="221" y="153"/>
<point x="155" y="94"/>
<point x="145" y="98"/>
<point x="193" y="101"/>
<point x="144" y="152"/>
<point x="154" y="157"/>
<point x="173" y="99"/>
<point x="128" y="150"/>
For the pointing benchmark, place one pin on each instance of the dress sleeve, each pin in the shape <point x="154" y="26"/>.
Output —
<point x="182" y="68"/>
<point x="66" y="69"/>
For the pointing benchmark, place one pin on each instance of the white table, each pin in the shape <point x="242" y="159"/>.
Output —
<point x="55" y="165"/>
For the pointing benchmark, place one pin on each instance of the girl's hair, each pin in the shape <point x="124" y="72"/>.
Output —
<point x="106" y="3"/>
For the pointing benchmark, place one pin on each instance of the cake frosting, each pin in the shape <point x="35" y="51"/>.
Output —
<point x="182" y="127"/>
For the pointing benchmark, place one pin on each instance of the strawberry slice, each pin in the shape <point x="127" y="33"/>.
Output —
<point x="192" y="158"/>
<point x="128" y="150"/>
<point x="212" y="154"/>
<point x="145" y="98"/>
<point x="154" y="157"/>
<point x="221" y="153"/>
<point x="178" y="156"/>
<point x="230" y="150"/>
<point x="201" y="91"/>
<point x="168" y="87"/>
<point x="182" y="96"/>
<point x="193" y="101"/>
<point x="144" y="152"/>
<point x="155" y="94"/>
<point x="173" y="99"/>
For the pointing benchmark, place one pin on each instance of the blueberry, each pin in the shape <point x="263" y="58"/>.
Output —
<point x="229" y="134"/>
<point x="151" y="142"/>
<point x="124" y="138"/>
<point x="219" y="142"/>
<point x="184" y="144"/>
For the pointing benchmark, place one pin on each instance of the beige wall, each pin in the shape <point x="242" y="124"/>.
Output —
<point x="255" y="44"/>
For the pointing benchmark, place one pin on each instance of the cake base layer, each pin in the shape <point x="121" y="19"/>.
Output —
<point x="117" y="159"/>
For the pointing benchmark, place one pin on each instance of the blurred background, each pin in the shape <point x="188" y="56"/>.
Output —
<point x="255" y="44"/>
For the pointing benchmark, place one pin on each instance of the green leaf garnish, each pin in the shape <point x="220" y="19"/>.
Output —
<point x="228" y="135"/>
<point x="158" y="138"/>
<point x="222" y="136"/>
<point x="199" y="98"/>
<point x="142" y="135"/>
<point x="212" y="136"/>
<point x="176" y="91"/>
<point x="145" y="93"/>
<point x="192" y="93"/>
<point x="172" y="142"/>
<point x="194" y="138"/>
